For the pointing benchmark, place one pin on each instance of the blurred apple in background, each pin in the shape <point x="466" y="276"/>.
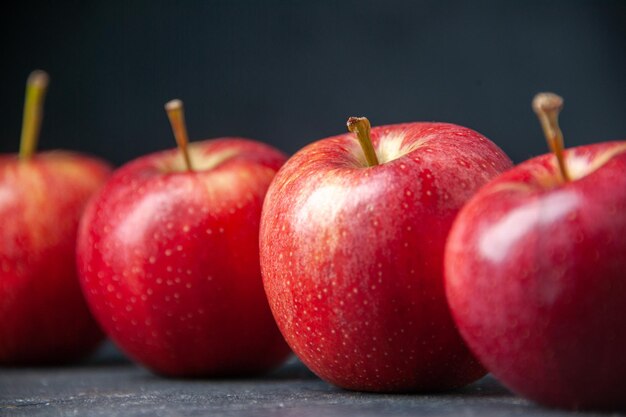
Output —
<point x="352" y="240"/>
<point x="43" y="316"/>
<point x="169" y="257"/>
<point x="536" y="273"/>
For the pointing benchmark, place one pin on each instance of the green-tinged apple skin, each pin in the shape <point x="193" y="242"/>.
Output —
<point x="43" y="316"/>
<point x="352" y="256"/>
<point x="536" y="278"/>
<point x="169" y="260"/>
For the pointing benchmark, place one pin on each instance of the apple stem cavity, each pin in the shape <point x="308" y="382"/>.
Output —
<point x="547" y="106"/>
<point x="360" y="126"/>
<point x="36" y="87"/>
<point x="176" y="114"/>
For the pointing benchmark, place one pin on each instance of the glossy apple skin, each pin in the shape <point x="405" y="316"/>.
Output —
<point x="536" y="278"/>
<point x="169" y="261"/>
<point x="352" y="257"/>
<point x="43" y="316"/>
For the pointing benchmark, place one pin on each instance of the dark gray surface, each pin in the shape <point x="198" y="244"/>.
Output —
<point x="122" y="389"/>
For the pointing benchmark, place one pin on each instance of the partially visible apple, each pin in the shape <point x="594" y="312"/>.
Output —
<point x="168" y="254"/>
<point x="352" y="240"/>
<point x="43" y="316"/>
<point x="536" y="273"/>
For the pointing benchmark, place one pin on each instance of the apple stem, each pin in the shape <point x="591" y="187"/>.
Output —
<point x="36" y="87"/>
<point x="547" y="106"/>
<point x="176" y="114"/>
<point x="361" y="127"/>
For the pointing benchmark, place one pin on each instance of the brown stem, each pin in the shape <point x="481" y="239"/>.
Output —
<point x="547" y="106"/>
<point x="361" y="127"/>
<point x="176" y="114"/>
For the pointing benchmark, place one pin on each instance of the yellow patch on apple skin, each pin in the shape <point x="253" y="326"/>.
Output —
<point x="200" y="159"/>
<point x="357" y="153"/>
<point x="580" y="165"/>
<point x="390" y="146"/>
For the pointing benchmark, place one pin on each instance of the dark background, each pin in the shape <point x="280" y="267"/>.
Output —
<point x="290" y="72"/>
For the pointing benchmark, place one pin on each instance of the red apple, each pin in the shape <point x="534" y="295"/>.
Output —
<point x="536" y="273"/>
<point x="43" y="316"/>
<point x="352" y="253"/>
<point x="168" y="256"/>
